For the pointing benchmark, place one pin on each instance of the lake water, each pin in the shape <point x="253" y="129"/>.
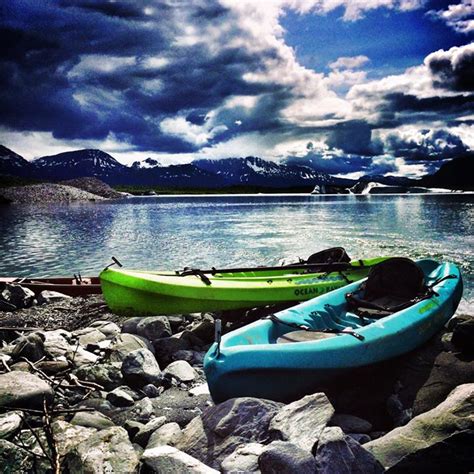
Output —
<point x="203" y="231"/>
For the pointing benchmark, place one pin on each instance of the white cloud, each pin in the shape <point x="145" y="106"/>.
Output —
<point x="349" y="62"/>
<point x="459" y="16"/>
<point x="196" y="134"/>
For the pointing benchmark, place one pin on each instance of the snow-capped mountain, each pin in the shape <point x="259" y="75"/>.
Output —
<point x="146" y="164"/>
<point x="13" y="164"/>
<point x="255" y="171"/>
<point x="80" y="163"/>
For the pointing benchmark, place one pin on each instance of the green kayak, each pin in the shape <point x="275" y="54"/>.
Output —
<point x="136" y="292"/>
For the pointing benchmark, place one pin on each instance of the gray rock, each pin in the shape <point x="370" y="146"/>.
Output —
<point x="23" y="390"/>
<point x="451" y="422"/>
<point x="129" y="326"/>
<point x="204" y="330"/>
<point x="169" y="459"/>
<point x="351" y="423"/>
<point x="150" y="427"/>
<point x="14" y="459"/>
<point x="105" y="451"/>
<point x="141" y="411"/>
<point x="165" y="348"/>
<point x="126" y="343"/>
<point x="108" y="376"/>
<point x="281" y="457"/>
<point x="88" y="336"/>
<point x="179" y="407"/>
<point x="108" y="328"/>
<point x="16" y="295"/>
<point x="133" y="427"/>
<point x="140" y="368"/>
<point x="152" y="391"/>
<point x="80" y="356"/>
<point x="48" y="296"/>
<point x="243" y="460"/>
<point x="181" y="371"/>
<point x="170" y="433"/>
<point x="448" y="372"/>
<point x="10" y="424"/>
<point x="302" y="421"/>
<point x="31" y="347"/>
<point x="399" y="414"/>
<point x="338" y="453"/>
<point x="92" y="419"/>
<point x="154" y="327"/>
<point x="201" y="389"/>
<point x="193" y="357"/>
<point x="68" y="436"/>
<point x="225" y="427"/>
<point x="56" y="343"/>
<point x="120" y="398"/>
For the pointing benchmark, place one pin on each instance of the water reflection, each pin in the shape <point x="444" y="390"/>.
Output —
<point x="173" y="232"/>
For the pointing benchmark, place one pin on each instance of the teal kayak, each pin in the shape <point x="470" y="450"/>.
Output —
<point x="298" y="350"/>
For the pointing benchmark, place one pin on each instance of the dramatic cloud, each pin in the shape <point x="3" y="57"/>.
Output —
<point x="453" y="69"/>
<point x="424" y="144"/>
<point x="459" y="17"/>
<point x="216" y="78"/>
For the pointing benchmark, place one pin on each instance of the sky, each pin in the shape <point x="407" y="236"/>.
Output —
<point x="352" y="86"/>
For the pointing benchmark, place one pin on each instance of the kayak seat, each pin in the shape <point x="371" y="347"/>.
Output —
<point x="391" y="286"/>
<point x="332" y="255"/>
<point x="303" y="336"/>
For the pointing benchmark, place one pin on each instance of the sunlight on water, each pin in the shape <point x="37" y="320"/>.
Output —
<point x="173" y="232"/>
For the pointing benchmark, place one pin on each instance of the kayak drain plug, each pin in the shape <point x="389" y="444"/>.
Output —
<point x="218" y="335"/>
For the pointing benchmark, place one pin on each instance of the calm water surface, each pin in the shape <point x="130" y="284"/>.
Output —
<point x="178" y="231"/>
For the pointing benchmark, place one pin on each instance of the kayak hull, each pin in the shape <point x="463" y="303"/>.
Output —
<point x="250" y="362"/>
<point x="131" y="292"/>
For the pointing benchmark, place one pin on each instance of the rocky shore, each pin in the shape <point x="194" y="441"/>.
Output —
<point x="81" y="189"/>
<point x="83" y="391"/>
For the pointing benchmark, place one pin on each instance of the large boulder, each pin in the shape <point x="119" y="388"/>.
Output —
<point x="302" y="421"/>
<point x="281" y="457"/>
<point x="140" y="368"/>
<point x="226" y="426"/>
<point x="92" y="419"/>
<point x="449" y="426"/>
<point x="68" y="436"/>
<point x="56" y="343"/>
<point x="449" y="371"/>
<point x="169" y="459"/>
<point x="23" y="390"/>
<point x="107" y="450"/>
<point x="147" y="430"/>
<point x="338" y="453"/>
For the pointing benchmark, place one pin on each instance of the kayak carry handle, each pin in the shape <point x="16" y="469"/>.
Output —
<point x="114" y="262"/>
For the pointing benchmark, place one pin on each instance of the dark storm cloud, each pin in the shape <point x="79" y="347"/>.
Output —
<point x="452" y="69"/>
<point x="354" y="136"/>
<point x="431" y="145"/>
<point x="54" y="73"/>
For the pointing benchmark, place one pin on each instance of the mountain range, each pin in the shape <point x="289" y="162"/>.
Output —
<point x="205" y="173"/>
